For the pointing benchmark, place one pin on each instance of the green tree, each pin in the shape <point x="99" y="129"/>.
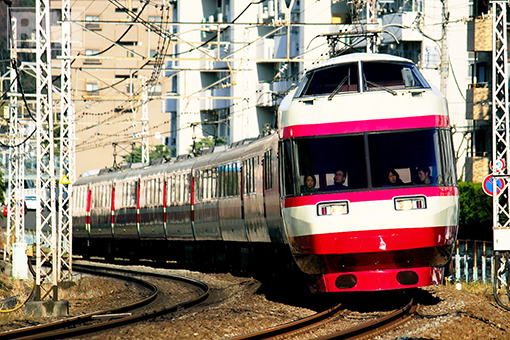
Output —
<point x="155" y="152"/>
<point x="206" y="143"/>
<point x="475" y="216"/>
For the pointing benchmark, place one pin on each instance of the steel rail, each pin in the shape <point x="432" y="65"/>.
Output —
<point x="27" y="331"/>
<point x="369" y="329"/>
<point x="291" y="326"/>
<point x="360" y="331"/>
<point x="55" y="330"/>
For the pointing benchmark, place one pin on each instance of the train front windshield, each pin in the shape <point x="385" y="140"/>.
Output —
<point x="375" y="76"/>
<point x="367" y="161"/>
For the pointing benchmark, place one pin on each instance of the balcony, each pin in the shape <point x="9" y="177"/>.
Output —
<point x="223" y="94"/>
<point x="394" y="22"/>
<point x="479" y="35"/>
<point x="206" y="101"/>
<point x="264" y="95"/>
<point x="477" y="103"/>
<point x="265" y="49"/>
<point x="477" y="168"/>
<point x="280" y="45"/>
<point x="206" y="62"/>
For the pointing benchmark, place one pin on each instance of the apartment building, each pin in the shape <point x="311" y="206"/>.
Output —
<point x="115" y="51"/>
<point x="219" y="68"/>
<point x="236" y="60"/>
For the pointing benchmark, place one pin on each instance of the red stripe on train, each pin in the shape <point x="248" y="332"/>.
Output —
<point x="364" y="125"/>
<point x="369" y="241"/>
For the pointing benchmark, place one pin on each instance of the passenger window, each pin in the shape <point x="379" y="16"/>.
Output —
<point x="395" y="153"/>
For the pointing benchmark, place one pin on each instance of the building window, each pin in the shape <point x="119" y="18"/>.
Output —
<point x="126" y="10"/>
<point x="91" y="53"/>
<point x="92" y="22"/>
<point x="93" y="89"/>
<point x="155" y="90"/>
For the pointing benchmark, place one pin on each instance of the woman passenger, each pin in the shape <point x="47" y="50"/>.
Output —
<point x="309" y="185"/>
<point x="393" y="178"/>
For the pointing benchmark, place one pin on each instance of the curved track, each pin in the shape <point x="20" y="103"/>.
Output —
<point x="364" y="330"/>
<point x="88" y="323"/>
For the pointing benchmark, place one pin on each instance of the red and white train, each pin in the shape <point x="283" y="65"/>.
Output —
<point x="359" y="183"/>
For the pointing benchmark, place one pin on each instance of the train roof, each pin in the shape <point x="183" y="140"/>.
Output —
<point x="354" y="57"/>
<point x="235" y="151"/>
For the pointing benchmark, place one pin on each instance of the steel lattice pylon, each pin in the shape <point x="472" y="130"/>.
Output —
<point x="500" y="153"/>
<point x="15" y="212"/>
<point x="46" y="222"/>
<point x="67" y="153"/>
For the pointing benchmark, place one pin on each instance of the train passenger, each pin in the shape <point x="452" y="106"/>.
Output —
<point x="423" y="175"/>
<point x="338" y="181"/>
<point x="393" y="178"/>
<point x="310" y="183"/>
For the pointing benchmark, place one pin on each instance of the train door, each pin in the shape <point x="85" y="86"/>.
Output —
<point x="126" y="216"/>
<point x="205" y="205"/>
<point x="100" y="210"/>
<point x="151" y="212"/>
<point x="178" y="206"/>
<point x="271" y="196"/>
<point x="253" y="199"/>
<point x="81" y="211"/>
<point x="230" y="202"/>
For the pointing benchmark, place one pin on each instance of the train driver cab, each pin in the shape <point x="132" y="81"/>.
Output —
<point x="367" y="158"/>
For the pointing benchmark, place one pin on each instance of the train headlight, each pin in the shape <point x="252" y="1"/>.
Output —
<point x="410" y="203"/>
<point x="333" y="208"/>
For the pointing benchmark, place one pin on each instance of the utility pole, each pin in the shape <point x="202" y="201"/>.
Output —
<point x="500" y="153"/>
<point x="444" y="69"/>
<point x="145" y="121"/>
<point x="246" y="82"/>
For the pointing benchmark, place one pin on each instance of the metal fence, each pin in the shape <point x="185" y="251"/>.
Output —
<point x="472" y="261"/>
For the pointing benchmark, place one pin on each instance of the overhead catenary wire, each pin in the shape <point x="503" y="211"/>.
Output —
<point x="132" y="98"/>
<point x="148" y="24"/>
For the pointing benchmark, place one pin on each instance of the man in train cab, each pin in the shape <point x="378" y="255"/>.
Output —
<point x="423" y="175"/>
<point x="338" y="181"/>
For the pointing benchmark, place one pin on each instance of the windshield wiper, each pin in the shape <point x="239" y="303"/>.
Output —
<point x="335" y="91"/>
<point x="382" y="87"/>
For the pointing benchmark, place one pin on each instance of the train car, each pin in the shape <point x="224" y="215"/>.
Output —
<point x="357" y="187"/>
<point x="373" y="139"/>
<point x="217" y="211"/>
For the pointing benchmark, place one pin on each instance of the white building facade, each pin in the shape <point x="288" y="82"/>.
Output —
<point x="226" y="65"/>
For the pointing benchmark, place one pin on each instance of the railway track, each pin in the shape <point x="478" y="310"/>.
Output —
<point x="150" y="307"/>
<point x="143" y="309"/>
<point x="365" y="330"/>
